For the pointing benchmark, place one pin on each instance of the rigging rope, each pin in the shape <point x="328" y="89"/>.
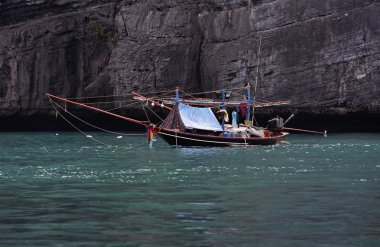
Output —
<point x="119" y="107"/>
<point x="120" y="95"/>
<point x="156" y="115"/>
<point x="160" y="92"/>
<point x="75" y="127"/>
<point x="256" y="80"/>
<point x="187" y="94"/>
<point x="216" y="91"/>
<point x="146" y="114"/>
<point x="108" y="102"/>
<point x="96" y="127"/>
<point x="93" y="139"/>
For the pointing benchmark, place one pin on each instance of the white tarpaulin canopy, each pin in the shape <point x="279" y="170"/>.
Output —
<point x="198" y="118"/>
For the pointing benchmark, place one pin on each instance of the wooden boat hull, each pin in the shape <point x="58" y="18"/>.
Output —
<point x="187" y="139"/>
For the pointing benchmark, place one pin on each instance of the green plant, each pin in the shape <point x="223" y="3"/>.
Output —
<point x="96" y="30"/>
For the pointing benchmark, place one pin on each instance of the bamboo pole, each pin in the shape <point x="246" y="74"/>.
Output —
<point x="324" y="133"/>
<point x="99" y="110"/>
<point x="151" y="100"/>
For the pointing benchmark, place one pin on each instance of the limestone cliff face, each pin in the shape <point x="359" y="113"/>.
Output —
<point x="317" y="53"/>
<point x="322" y="55"/>
<point x="52" y="46"/>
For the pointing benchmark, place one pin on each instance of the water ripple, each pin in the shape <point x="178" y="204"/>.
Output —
<point x="66" y="190"/>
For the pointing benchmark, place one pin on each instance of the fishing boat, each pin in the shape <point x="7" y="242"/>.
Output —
<point x="192" y="122"/>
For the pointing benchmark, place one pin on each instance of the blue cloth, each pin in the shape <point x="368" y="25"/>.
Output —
<point x="234" y="119"/>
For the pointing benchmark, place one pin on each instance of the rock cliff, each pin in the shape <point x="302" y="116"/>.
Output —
<point x="324" y="56"/>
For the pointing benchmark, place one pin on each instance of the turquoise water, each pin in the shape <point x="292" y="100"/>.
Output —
<point x="65" y="190"/>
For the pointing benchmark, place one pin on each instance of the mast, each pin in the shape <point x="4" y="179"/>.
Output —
<point x="248" y="101"/>
<point x="256" y="79"/>
<point x="177" y="94"/>
<point x="223" y="107"/>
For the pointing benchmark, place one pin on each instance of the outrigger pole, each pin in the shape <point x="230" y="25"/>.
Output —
<point x="324" y="133"/>
<point x="100" y="110"/>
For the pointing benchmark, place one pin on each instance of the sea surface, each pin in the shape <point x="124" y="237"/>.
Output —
<point x="66" y="189"/>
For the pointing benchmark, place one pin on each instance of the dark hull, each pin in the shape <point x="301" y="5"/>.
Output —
<point x="186" y="139"/>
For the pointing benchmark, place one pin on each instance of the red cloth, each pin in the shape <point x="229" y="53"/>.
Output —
<point x="151" y="133"/>
<point x="243" y="109"/>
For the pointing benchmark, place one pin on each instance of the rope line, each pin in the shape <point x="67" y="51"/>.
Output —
<point x="160" y="92"/>
<point x="92" y="138"/>
<point x="187" y="94"/>
<point x="94" y="126"/>
<point x="119" y="107"/>
<point x="146" y="114"/>
<point x="75" y="127"/>
<point x="118" y="95"/>
<point x="109" y="102"/>
<point x="216" y="91"/>
<point x="155" y="114"/>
